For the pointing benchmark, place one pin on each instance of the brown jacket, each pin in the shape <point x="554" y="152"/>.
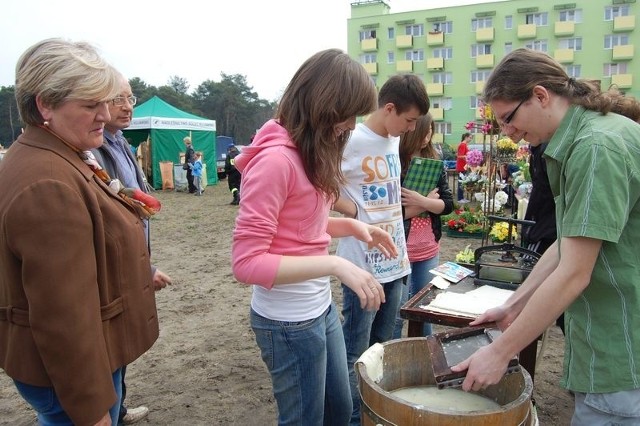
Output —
<point x="76" y="294"/>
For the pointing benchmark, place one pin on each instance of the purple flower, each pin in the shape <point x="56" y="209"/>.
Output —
<point x="474" y="158"/>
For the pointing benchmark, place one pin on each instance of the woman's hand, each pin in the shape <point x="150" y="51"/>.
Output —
<point x="501" y="315"/>
<point x="363" y="284"/>
<point x="413" y="198"/>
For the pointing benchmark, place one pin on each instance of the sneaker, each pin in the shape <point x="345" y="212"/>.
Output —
<point x="135" y="415"/>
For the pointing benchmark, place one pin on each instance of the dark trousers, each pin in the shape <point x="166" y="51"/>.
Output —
<point x="192" y="187"/>
<point x="123" y="409"/>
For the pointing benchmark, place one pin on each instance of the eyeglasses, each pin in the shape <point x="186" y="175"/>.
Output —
<point x="508" y="118"/>
<point x="120" y="100"/>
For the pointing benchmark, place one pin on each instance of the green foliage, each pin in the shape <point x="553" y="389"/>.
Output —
<point x="237" y="109"/>
<point x="448" y="153"/>
<point x="10" y="124"/>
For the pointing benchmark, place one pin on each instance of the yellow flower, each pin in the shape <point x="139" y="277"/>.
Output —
<point x="505" y="144"/>
<point x="500" y="232"/>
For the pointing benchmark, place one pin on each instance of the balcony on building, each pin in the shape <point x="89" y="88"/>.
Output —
<point x="435" y="89"/>
<point x="437" y="138"/>
<point x="404" y="66"/>
<point x="564" y="56"/>
<point x="485" y="34"/>
<point x="404" y="41"/>
<point x="485" y="61"/>
<point x="435" y="38"/>
<point x="526" y="31"/>
<point x="564" y="28"/>
<point x="437" y="113"/>
<point x="624" y="23"/>
<point x="369" y="45"/>
<point x="623" y="81"/>
<point x="479" y="87"/>
<point x="371" y="67"/>
<point x="435" y="63"/>
<point x="622" y="53"/>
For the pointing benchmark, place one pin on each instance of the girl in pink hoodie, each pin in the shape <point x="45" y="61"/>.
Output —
<point x="290" y="177"/>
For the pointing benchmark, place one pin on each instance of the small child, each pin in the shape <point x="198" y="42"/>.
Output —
<point x="196" y="171"/>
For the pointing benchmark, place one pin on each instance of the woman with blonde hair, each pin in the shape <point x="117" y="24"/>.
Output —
<point x="290" y="177"/>
<point x="76" y="295"/>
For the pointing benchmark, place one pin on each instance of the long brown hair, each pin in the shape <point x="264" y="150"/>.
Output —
<point x="521" y="70"/>
<point x="327" y="89"/>
<point x="410" y="142"/>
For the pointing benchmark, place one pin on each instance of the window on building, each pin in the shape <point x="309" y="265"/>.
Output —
<point x="441" y="102"/>
<point x="570" y="43"/>
<point x="539" y="45"/>
<point x="571" y="15"/>
<point x="369" y="58"/>
<point x="480" y="49"/>
<point x="443" y="127"/>
<point x="414" y="55"/>
<point x="614" y="69"/>
<point x="474" y="102"/>
<point x="442" y="77"/>
<point x="508" y="47"/>
<point x="442" y="27"/>
<point x="477" y="23"/>
<point x="367" y="34"/>
<point x="480" y="75"/>
<point x="508" y="22"/>
<point x="612" y="12"/>
<point x="573" y="71"/>
<point x="443" y="52"/>
<point x="539" y="19"/>
<point x="612" y="40"/>
<point x="391" y="33"/>
<point x="415" y="30"/>
<point x="391" y="57"/>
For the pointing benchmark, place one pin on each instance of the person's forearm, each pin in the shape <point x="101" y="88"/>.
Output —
<point x="339" y="227"/>
<point x="429" y="205"/>
<point x="294" y="269"/>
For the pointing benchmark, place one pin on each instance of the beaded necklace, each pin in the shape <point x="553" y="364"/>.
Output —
<point x="144" y="204"/>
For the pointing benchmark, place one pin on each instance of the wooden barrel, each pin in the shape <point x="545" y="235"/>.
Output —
<point x="406" y="363"/>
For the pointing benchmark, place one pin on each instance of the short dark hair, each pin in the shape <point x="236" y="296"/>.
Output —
<point x="404" y="91"/>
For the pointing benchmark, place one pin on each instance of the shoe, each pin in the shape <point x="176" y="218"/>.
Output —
<point x="135" y="415"/>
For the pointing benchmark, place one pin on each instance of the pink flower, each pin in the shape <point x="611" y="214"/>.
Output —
<point x="474" y="158"/>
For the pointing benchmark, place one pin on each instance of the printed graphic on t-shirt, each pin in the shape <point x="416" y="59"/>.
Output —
<point x="381" y="205"/>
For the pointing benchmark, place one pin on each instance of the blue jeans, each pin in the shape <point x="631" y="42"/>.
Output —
<point x="364" y="328"/>
<point x="308" y="366"/>
<point x="614" y="408"/>
<point x="419" y="278"/>
<point x="47" y="406"/>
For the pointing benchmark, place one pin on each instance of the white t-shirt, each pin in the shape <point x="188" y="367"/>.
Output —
<point x="371" y="166"/>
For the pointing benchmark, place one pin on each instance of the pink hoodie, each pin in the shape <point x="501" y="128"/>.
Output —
<point x="281" y="213"/>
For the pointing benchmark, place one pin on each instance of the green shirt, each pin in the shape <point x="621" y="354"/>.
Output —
<point x="593" y="163"/>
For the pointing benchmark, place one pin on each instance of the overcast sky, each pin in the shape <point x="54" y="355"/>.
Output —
<point x="264" y="40"/>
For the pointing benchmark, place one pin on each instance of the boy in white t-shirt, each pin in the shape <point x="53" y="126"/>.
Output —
<point x="371" y="194"/>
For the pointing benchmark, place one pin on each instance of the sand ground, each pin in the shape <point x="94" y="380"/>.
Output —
<point x="205" y="369"/>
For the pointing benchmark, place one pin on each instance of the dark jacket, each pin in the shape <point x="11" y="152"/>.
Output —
<point x="542" y="207"/>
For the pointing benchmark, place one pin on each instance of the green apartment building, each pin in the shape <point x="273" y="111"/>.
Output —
<point x="453" y="49"/>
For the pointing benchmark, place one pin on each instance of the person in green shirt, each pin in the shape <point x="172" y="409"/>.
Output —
<point x="592" y="271"/>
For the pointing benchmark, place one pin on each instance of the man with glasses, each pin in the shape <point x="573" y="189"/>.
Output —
<point x="116" y="157"/>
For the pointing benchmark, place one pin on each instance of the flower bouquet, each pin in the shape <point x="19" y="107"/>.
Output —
<point x="500" y="232"/>
<point x="506" y="149"/>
